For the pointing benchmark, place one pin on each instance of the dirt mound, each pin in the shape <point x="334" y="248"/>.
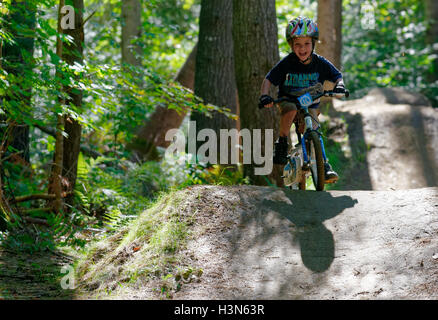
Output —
<point x="248" y="242"/>
<point x="268" y="243"/>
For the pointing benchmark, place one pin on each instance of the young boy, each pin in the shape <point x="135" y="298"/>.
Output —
<point x="299" y="72"/>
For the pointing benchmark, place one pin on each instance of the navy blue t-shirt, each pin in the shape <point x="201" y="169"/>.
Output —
<point x="292" y="75"/>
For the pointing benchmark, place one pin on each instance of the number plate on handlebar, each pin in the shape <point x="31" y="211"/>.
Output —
<point x="305" y="100"/>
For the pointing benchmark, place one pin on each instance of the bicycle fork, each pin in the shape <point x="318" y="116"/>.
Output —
<point x="303" y="146"/>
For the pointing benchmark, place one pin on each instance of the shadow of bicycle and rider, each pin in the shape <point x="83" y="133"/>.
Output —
<point x="268" y="227"/>
<point x="282" y="242"/>
<point x="307" y="212"/>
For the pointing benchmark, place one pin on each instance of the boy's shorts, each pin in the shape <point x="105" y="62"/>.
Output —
<point x="287" y="106"/>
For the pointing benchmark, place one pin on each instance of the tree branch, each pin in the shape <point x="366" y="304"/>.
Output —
<point x="88" y="18"/>
<point x="42" y="196"/>
<point x="36" y="220"/>
<point x="35" y="210"/>
<point x="87" y="150"/>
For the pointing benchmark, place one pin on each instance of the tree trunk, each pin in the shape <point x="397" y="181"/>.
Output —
<point x="131" y="57"/>
<point x="131" y="30"/>
<point x="330" y="38"/>
<point x="330" y="33"/>
<point x="214" y="74"/>
<point x="55" y="182"/>
<point x="16" y="63"/>
<point x="55" y="186"/>
<point x="152" y="133"/>
<point x="73" y="53"/>
<point x="256" y="52"/>
<point x="431" y="39"/>
<point x="5" y="208"/>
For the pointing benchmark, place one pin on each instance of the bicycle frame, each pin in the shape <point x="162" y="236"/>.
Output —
<point x="311" y="160"/>
<point x="308" y="123"/>
<point x="309" y="128"/>
<point x="309" y="134"/>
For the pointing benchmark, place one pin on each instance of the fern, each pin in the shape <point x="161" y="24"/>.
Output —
<point x="83" y="167"/>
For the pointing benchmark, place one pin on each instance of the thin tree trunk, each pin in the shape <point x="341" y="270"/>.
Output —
<point x="256" y="52"/>
<point x="5" y="208"/>
<point x="55" y="176"/>
<point x="330" y="33"/>
<point x="73" y="53"/>
<point x="131" y="30"/>
<point x="55" y="185"/>
<point x="330" y="38"/>
<point x="431" y="39"/>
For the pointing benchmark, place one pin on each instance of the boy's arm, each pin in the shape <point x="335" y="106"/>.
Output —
<point x="333" y="74"/>
<point x="266" y="86"/>
<point x="265" y="98"/>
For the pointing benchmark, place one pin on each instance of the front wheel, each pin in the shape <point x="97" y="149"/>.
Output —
<point x="313" y="145"/>
<point x="302" y="181"/>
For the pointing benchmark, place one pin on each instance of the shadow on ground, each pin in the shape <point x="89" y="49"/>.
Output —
<point x="354" y="172"/>
<point x="425" y="158"/>
<point x="290" y="216"/>
<point x="307" y="212"/>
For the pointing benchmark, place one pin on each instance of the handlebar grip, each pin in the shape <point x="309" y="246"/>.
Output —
<point x="347" y="93"/>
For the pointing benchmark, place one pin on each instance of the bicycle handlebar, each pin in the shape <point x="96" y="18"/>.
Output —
<point x="325" y="94"/>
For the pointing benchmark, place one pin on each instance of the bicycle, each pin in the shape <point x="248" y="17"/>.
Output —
<point x="308" y="156"/>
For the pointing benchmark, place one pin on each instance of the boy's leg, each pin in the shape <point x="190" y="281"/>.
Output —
<point x="286" y="121"/>
<point x="315" y="113"/>
<point x="288" y="111"/>
<point x="330" y="175"/>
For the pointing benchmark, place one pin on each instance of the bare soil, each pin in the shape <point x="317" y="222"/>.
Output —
<point x="270" y="243"/>
<point x="26" y="276"/>
<point x="393" y="137"/>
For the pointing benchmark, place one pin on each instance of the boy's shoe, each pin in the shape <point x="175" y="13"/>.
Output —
<point x="280" y="151"/>
<point x="330" y="175"/>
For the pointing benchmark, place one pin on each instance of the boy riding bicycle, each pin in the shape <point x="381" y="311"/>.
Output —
<point x="299" y="72"/>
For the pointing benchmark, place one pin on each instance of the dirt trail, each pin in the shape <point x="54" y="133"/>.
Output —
<point x="33" y="276"/>
<point x="397" y="132"/>
<point x="270" y="243"/>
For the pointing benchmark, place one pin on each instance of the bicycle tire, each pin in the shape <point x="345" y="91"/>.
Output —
<point x="316" y="160"/>
<point x="302" y="183"/>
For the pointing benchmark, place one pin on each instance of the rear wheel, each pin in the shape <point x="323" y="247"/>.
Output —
<point x="314" y="151"/>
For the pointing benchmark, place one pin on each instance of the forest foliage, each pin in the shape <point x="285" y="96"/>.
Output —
<point x="112" y="188"/>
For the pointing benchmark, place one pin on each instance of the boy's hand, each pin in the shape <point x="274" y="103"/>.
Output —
<point x="339" y="88"/>
<point x="266" y="101"/>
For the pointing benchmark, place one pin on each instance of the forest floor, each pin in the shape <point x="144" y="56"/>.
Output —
<point x="27" y="276"/>
<point x="375" y="237"/>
